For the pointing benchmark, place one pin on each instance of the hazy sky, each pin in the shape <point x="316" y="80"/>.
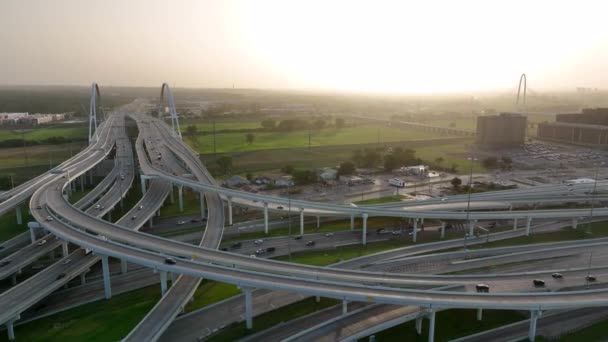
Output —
<point x="395" y="46"/>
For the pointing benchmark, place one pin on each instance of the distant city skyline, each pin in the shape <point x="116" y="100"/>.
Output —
<point x="361" y="46"/>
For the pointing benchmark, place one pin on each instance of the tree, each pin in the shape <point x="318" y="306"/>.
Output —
<point x="319" y="124"/>
<point x="192" y="132"/>
<point x="390" y="162"/>
<point x="507" y="162"/>
<point x="225" y="164"/>
<point x="357" y="157"/>
<point x="346" y="168"/>
<point x="439" y="161"/>
<point x="288" y="169"/>
<point x="340" y="123"/>
<point x="249" y="176"/>
<point x="489" y="162"/>
<point x="302" y="177"/>
<point x="250" y="137"/>
<point x="269" y="124"/>
<point x="371" y="158"/>
<point x="456" y="182"/>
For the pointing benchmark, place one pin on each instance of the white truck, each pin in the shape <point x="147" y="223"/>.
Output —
<point x="400" y="183"/>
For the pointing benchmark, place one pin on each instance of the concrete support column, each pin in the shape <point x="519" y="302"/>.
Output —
<point x="83" y="278"/>
<point x="432" y="326"/>
<point x="528" y="221"/>
<point x="123" y="266"/>
<point x="151" y="221"/>
<point x="143" y="186"/>
<point x="10" y="328"/>
<point x="248" y="308"/>
<point x="574" y="223"/>
<point x="171" y="199"/>
<point x="14" y="279"/>
<point x="64" y="249"/>
<point x="318" y="222"/>
<point x="442" y="229"/>
<point x="472" y="227"/>
<point x="415" y="232"/>
<point x="419" y="325"/>
<point x="515" y="223"/>
<point x="110" y="216"/>
<point x="344" y="306"/>
<point x="230" y="210"/>
<point x="19" y="217"/>
<point x="91" y="176"/>
<point x="81" y="183"/>
<point x="301" y="221"/>
<point x="180" y="198"/>
<point x="163" y="282"/>
<point x="105" y="266"/>
<point x="479" y="314"/>
<point x="201" y="197"/>
<point x="266" y="217"/>
<point x="32" y="235"/>
<point x="173" y="277"/>
<point x="533" y="320"/>
<point x="352" y="222"/>
<point x="364" y="239"/>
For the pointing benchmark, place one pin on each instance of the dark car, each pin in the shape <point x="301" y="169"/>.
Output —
<point x="223" y="249"/>
<point x="4" y="263"/>
<point x="310" y="243"/>
<point x="195" y="220"/>
<point x="557" y="275"/>
<point x="491" y="224"/>
<point x="280" y="207"/>
<point x="482" y="288"/>
<point x="380" y="231"/>
<point x="591" y="278"/>
<point x="299" y="237"/>
<point x="270" y="249"/>
<point x="60" y="276"/>
<point x="538" y="282"/>
<point x="170" y="261"/>
<point x="236" y="245"/>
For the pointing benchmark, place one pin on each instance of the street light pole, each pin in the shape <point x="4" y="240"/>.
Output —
<point x="289" y="218"/>
<point x="471" y="159"/>
<point x="597" y="169"/>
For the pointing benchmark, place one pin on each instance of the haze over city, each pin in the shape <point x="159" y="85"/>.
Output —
<point x="379" y="46"/>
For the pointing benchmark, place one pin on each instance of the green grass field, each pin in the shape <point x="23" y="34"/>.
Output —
<point x="209" y="292"/>
<point x="191" y="204"/>
<point x="387" y="199"/>
<point x="40" y="155"/>
<point x="104" y="320"/>
<point x="8" y="224"/>
<point x="38" y="134"/>
<point x="363" y="134"/>
<point x="593" y="333"/>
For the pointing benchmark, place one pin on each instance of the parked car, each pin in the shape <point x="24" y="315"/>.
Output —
<point x="170" y="261"/>
<point x="557" y="275"/>
<point x="482" y="288"/>
<point x="538" y="282"/>
<point x="310" y="243"/>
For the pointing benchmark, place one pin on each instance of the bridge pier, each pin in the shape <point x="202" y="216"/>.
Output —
<point x="479" y="314"/>
<point x="248" y="307"/>
<point x="19" y="217"/>
<point x="442" y="229"/>
<point x="301" y="221"/>
<point x="415" y="231"/>
<point x="352" y="222"/>
<point x="201" y="196"/>
<point x="515" y="223"/>
<point x="266" y="217"/>
<point x="163" y="282"/>
<point x="318" y="221"/>
<point x="171" y="199"/>
<point x="230" y="210"/>
<point x="534" y="315"/>
<point x="364" y="225"/>
<point x="10" y="327"/>
<point x="105" y="266"/>
<point x="64" y="249"/>
<point x="528" y="221"/>
<point x="14" y="279"/>
<point x="574" y="223"/>
<point x="123" y="266"/>
<point x="143" y="186"/>
<point x="32" y="234"/>
<point x="472" y="224"/>
<point x="180" y="198"/>
<point x="419" y="325"/>
<point x="432" y="326"/>
<point x="91" y="176"/>
<point x="83" y="278"/>
<point x="151" y="221"/>
<point x="344" y="307"/>
<point x="81" y="183"/>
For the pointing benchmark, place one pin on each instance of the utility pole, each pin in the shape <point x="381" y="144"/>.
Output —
<point x="214" y="150"/>
<point x="309" y="137"/>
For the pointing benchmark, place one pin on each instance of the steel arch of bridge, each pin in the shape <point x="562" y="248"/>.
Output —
<point x="523" y="79"/>
<point x="172" y="111"/>
<point x="95" y="96"/>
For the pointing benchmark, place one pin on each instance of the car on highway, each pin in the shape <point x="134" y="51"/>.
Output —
<point x="257" y="242"/>
<point x="181" y="222"/>
<point x="280" y="207"/>
<point x="329" y="234"/>
<point x="538" y="282"/>
<point x="310" y="243"/>
<point x="140" y="207"/>
<point x="60" y="276"/>
<point x="38" y="207"/>
<point x="36" y="267"/>
<point x="591" y="278"/>
<point x="41" y="242"/>
<point x="482" y="288"/>
<point x="4" y="263"/>
<point x="252" y="256"/>
<point x="195" y="220"/>
<point x="380" y="231"/>
<point x="102" y="238"/>
<point x="270" y="249"/>
<point x="48" y="218"/>
<point x="260" y="251"/>
<point x="557" y="275"/>
<point x="299" y="237"/>
<point x="133" y="217"/>
<point x="396" y="232"/>
<point x="97" y="206"/>
<point x="236" y="245"/>
<point x="67" y="261"/>
<point x="170" y="261"/>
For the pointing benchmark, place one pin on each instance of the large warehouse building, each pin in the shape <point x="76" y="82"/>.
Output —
<point x="587" y="128"/>
<point x="503" y="130"/>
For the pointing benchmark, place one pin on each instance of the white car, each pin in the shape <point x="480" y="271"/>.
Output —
<point x="97" y="206"/>
<point x="257" y="242"/>
<point x="41" y="242"/>
<point x="181" y="222"/>
<point x="67" y="261"/>
<point x="141" y="207"/>
<point x="48" y="218"/>
<point x="329" y="234"/>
